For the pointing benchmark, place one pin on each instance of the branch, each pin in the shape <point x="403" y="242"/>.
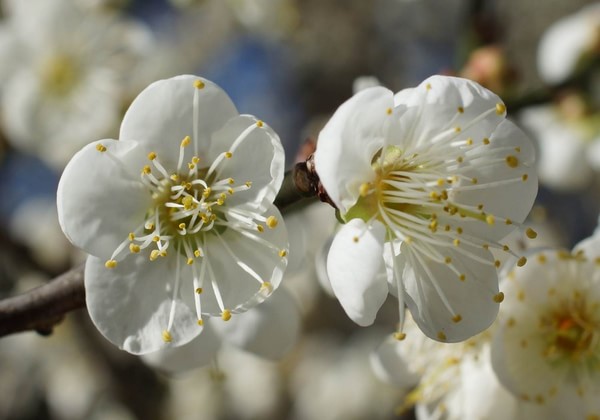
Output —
<point x="42" y="308"/>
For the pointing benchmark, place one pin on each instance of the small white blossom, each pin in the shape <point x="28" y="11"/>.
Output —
<point x="177" y="215"/>
<point x="547" y="349"/>
<point x="434" y="176"/>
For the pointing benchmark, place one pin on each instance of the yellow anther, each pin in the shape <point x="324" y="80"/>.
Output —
<point x="186" y="141"/>
<point x="407" y="240"/>
<point x="197" y="253"/>
<point x="191" y="166"/>
<point x="364" y="189"/>
<point x="485" y="246"/>
<point x="490" y="219"/>
<point x="355" y="239"/>
<point x="497" y="263"/>
<point x="154" y="254"/>
<point x="248" y="184"/>
<point x="469" y="141"/>
<point x="524" y="177"/>
<point x="166" y="336"/>
<point x="486" y="141"/>
<point x="187" y="202"/>
<point x="460" y="109"/>
<point x="456" y="242"/>
<point x="500" y="109"/>
<point x="399" y="336"/>
<point x="505" y="248"/>
<point x="459" y="230"/>
<point x="272" y="222"/>
<point x="522" y="261"/>
<point x="498" y="298"/>
<point x="230" y="181"/>
<point x="457" y="318"/>
<point x="134" y="248"/>
<point x="260" y="228"/>
<point x="428" y="86"/>
<point x="447" y="260"/>
<point x="433" y="225"/>
<point x="100" y="147"/>
<point x="226" y="315"/>
<point x="518" y="149"/>
<point x="199" y="84"/>
<point x="206" y="192"/>
<point x="282" y="253"/>
<point x="462" y="277"/>
<point x="479" y="206"/>
<point x="259" y="123"/>
<point x="230" y="191"/>
<point x="152" y="155"/>
<point x="156" y="238"/>
<point x="441" y="182"/>
<point x="200" y="323"/>
<point x="266" y="286"/>
<point x="190" y="261"/>
<point x="181" y="226"/>
<point x="389" y="111"/>
<point x="542" y="259"/>
<point x="146" y="170"/>
<point x="174" y="177"/>
<point x="434" y="195"/>
<point x="460" y="159"/>
<point x="228" y="155"/>
<point x="441" y="336"/>
<point x="508" y="222"/>
<point x="458" y="130"/>
<point x="199" y="290"/>
<point x="531" y="234"/>
<point x="131" y="236"/>
<point x="110" y="264"/>
<point x="512" y="161"/>
<point x="220" y="201"/>
<point x="474" y="180"/>
<point x="195" y="160"/>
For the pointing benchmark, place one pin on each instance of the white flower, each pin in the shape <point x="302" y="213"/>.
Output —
<point x="438" y="174"/>
<point x="547" y="349"/>
<point x="176" y="215"/>
<point x="565" y="43"/>
<point x="64" y="69"/>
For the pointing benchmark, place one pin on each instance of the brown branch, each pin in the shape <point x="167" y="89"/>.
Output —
<point x="40" y="309"/>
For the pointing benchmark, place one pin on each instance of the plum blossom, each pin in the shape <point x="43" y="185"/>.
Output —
<point x="433" y="177"/>
<point x="177" y="215"/>
<point x="547" y="347"/>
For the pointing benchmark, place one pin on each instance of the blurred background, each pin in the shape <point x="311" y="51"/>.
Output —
<point x="69" y="69"/>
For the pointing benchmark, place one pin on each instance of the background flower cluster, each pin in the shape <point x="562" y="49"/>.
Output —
<point x="70" y="68"/>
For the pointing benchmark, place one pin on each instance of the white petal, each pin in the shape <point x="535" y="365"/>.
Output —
<point x="258" y="158"/>
<point x="89" y="188"/>
<point x="239" y="289"/>
<point x="391" y="365"/>
<point x="268" y="330"/>
<point x="354" y="262"/>
<point x="427" y="283"/>
<point x="163" y="114"/>
<point x="348" y="142"/>
<point x="131" y="303"/>
<point x="199" y="352"/>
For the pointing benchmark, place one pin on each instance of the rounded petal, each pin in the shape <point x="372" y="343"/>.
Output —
<point x="91" y="184"/>
<point x="354" y="262"/>
<point x="391" y="365"/>
<point x="257" y="156"/>
<point x="445" y="307"/>
<point x="131" y="304"/>
<point x="347" y="143"/>
<point x="237" y="259"/>
<point x="163" y="114"/>
<point x="268" y="330"/>
<point x="197" y="353"/>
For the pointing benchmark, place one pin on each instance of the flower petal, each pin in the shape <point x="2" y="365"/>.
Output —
<point x="354" y="262"/>
<point x="445" y="307"/>
<point x="163" y="114"/>
<point x="257" y="157"/>
<point x="268" y="330"/>
<point x="391" y="364"/>
<point x="197" y="353"/>
<point x="346" y="145"/>
<point x="131" y="304"/>
<point x="90" y="186"/>
<point x="237" y="266"/>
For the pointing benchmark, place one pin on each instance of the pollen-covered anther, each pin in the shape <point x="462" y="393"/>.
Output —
<point x="486" y="141"/>
<point x="272" y="222"/>
<point x="512" y="161"/>
<point x="199" y="84"/>
<point x="522" y="261"/>
<point x="448" y="260"/>
<point x="226" y="315"/>
<point x="190" y="261"/>
<point x="456" y="242"/>
<point x="259" y="123"/>
<point x="364" y="189"/>
<point x="186" y="141"/>
<point x="267" y="287"/>
<point x="441" y="336"/>
<point x="282" y="253"/>
<point x="399" y="336"/>
<point x="389" y="111"/>
<point x="499" y="297"/>
<point x="100" y="147"/>
<point x="490" y="219"/>
<point x="151" y="156"/>
<point x="457" y="129"/>
<point x="198" y="290"/>
<point x="134" y="248"/>
<point x="460" y="109"/>
<point x="154" y="254"/>
<point x="500" y="109"/>
<point x="462" y="277"/>
<point x="110" y="264"/>
<point x="497" y="263"/>
<point x="197" y="253"/>
<point x="531" y="234"/>
<point x="166" y="336"/>
<point x="146" y="170"/>
<point x="228" y="155"/>
<point x="457" y="318"/>
<point x="200" y="323"/>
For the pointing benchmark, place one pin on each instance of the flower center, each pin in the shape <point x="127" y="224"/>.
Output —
<point x="59" y="75"/>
